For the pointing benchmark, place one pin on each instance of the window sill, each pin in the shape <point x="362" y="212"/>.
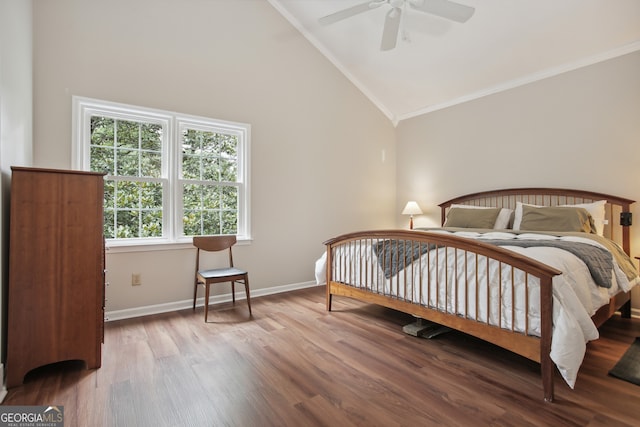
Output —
<point x="122" y="247"/>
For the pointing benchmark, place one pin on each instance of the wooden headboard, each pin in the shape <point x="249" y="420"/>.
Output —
<point x="507" y="198"/>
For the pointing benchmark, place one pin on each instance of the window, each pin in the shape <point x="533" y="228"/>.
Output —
<point x="168" y="176"/>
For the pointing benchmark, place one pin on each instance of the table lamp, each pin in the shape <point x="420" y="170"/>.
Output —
<point x="412" y="209"/>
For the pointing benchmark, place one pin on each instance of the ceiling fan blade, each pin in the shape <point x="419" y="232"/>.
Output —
<point x="391" y="29"/>
<point x="350" y="11"/>
<point x="444" y="8"/>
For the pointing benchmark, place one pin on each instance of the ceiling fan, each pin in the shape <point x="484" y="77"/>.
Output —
<point x="443" y="8"/>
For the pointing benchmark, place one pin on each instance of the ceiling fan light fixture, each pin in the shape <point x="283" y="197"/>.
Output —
<point x="442" y="8"/>
<point x="391" y="29"/>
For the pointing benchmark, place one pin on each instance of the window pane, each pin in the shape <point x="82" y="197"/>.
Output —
<point x="191" y="197"/>
<point x="108" y="224"/>
<point x="209" y="144"/>
<point x="210" y="197"/>
<point x="151" y="164"/>
<point x="102" y="160"/>
<point x="228" y="170"/>
<point x="128" y="135"/>
<point x="151" y="195"/>
<point x="138" y="209"/>
<point x="109" y="194"/>
<point x="127" y="195"/>
<point x="127" y="162"/>
<point x="211" y="222"/>
<point x="102" y="131"/>
<point x="128" y="224"/>
<point x="229" y="146"/>
<point x="191" y="223"/>
<point x="190" y="142"/>
<point x="209" y="156"/>
<point x="151" y="137"/>
<point x="191" y="167"/>
<point x="151" y="223"/>
<point x="210" y="169"/>
<point x="210" y="209"/>
<point x="229" y="198"/>
<point x="229" y="222"/>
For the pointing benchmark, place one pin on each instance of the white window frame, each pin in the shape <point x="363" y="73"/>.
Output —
<point x="172" y="123"/>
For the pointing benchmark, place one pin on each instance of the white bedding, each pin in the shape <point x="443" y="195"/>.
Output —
<point x="576" y="297"/>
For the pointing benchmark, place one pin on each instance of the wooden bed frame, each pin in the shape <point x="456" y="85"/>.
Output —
<point x="344" y="280"/>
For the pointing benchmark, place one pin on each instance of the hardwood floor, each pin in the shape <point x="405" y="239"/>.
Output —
<point x="295" y="364"/>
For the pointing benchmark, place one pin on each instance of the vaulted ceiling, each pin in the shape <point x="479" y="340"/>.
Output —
<point x="438" y="62"/>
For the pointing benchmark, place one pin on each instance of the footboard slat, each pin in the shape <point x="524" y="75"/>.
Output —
<point x="437" y="277"/>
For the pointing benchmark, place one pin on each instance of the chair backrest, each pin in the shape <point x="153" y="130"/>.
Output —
<point x="214" y="244"/>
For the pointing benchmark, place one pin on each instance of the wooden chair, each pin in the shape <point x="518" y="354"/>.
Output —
<point x="218" y="275"/>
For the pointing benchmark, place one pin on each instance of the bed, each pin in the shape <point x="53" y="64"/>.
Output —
<point x="532" y="270"/>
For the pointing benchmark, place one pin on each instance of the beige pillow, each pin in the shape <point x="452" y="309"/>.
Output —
<point x="472" y="218"/>
<point x="597" y="211"/>
<point x="503" y="221"/>
<point x="556" y="219"/>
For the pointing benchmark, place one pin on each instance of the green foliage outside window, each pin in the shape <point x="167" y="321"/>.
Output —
<point x="128" y="151"/>
<point x="209" y="171"/>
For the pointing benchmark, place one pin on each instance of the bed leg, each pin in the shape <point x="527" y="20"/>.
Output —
<point x="625" y="310"/>
<point x="546" y="329"/>
<point x="329" y="275"/>
<point x="547" y="379"/>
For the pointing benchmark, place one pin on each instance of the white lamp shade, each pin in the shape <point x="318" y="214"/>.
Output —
<point x="412" y="208"/>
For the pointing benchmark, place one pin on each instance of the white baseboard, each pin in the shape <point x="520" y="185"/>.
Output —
<point x="181" y="305"/>
<point x="184" y="304"/>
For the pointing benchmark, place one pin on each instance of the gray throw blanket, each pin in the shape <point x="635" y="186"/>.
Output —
<point x="396" y="254"/>
<point x="598" y="260"/>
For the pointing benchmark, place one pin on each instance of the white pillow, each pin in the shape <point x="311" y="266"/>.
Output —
<point x="597" y="212"/>
<point x="502" y="221"/>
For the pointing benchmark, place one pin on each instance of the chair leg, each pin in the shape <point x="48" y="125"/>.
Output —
<point x="233" y="292"/>
<point x="195" y="294"/>
<point x="246" y="290"/>
<point x="206" y="302"/>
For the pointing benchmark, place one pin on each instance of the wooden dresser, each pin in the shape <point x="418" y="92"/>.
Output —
<point x="56" y="270"/>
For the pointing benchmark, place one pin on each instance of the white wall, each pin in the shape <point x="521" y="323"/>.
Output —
<point x="15" y="89"/>
<point x="578" y="130"/>
<point x="15" y="120"/>
<point x="316" y="140"/>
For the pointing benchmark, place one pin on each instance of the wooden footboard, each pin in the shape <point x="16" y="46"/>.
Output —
<point x="477" y="288"/>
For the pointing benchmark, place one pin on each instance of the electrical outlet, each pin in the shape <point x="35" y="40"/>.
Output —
<point x="136" y="279"/>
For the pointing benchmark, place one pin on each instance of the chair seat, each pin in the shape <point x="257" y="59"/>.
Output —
<point x="217" y="273"/>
